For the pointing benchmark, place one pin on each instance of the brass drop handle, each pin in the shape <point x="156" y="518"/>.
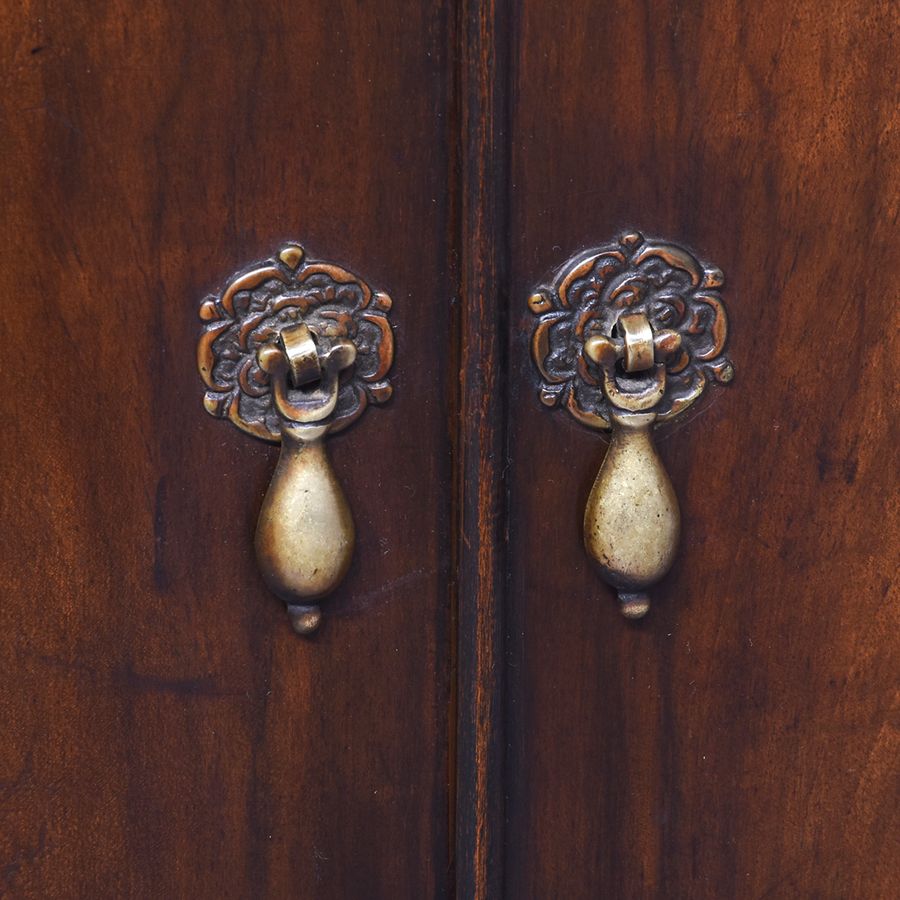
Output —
<point x="628" y="337"/>
<point x="295" y="350"/>
<point x="305" y="534"/>
<point x="631" y="521"/>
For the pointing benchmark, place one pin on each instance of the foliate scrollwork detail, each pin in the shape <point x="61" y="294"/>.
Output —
<point x="244" y="322"/>
<point x="657" y="279"/>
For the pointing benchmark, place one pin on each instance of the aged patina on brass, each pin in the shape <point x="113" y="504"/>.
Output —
<point x="295" y="350"/>
<point x="628" y="336"/>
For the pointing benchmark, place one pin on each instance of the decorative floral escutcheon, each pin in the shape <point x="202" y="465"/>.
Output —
<point x="665" y="282"/>
<point x="629" y="335"/>
<point x="257" y="305"/>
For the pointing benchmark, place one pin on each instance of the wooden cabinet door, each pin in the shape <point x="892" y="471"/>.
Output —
<point x="165" y="734"/>
<point x="739" y="741"/>
<point x="474" y="718"/>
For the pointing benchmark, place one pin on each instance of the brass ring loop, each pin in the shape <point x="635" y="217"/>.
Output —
<point x="638" y="336"/>
<point x="299" y="346"/>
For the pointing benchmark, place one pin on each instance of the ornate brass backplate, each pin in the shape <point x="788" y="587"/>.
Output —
<point x="628" y="336"/>
<point x="295" y="349"/>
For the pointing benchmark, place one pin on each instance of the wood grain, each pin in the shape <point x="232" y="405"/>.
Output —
<point x="165" y="734"/>
<point x="481" y="438"/>
<point x="741" y="741"/>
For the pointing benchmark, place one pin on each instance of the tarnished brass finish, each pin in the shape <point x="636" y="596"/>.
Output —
<point x="305" y="533"/>
<point x="294" y="350"/>
<point x="628" y="336"/>
<point x="631" y="521"/>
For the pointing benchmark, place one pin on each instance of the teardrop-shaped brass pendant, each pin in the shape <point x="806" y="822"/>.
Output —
<point x="305" y="534"/>
<point x="632" y="521"/>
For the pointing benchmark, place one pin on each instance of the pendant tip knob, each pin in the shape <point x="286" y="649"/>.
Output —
<point x="634" y="606"/>
<point x="305" y="619"/>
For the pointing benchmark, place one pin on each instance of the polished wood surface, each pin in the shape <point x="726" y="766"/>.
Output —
<point x="739" y="742"/>
<point x="474" y="716"/>
<point x="165" y="733"/>
<point x="480" y="546"/>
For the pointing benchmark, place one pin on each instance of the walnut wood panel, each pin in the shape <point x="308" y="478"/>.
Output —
<point x="480" y="540"/>
<point x="165" y="734"/>
<point x="739" y="742"/>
